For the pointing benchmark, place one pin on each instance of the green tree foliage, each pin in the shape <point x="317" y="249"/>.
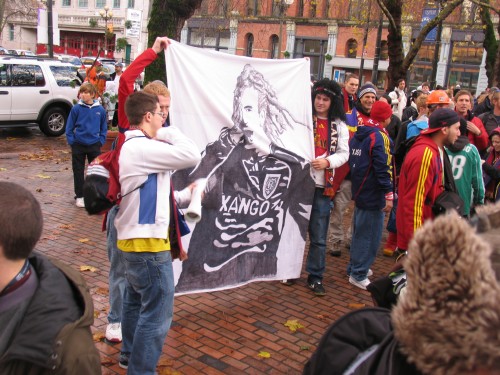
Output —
<point x="167" y="19"/>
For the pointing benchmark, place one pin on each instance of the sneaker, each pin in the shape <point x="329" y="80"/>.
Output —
<point x="316" y="287"/>
<point x="288" y="282"/>
<point x="360" y="284"/>
<point x="368" y="274"/>
<point x="114" y="332"/>
<point x="80" y="203"/>
<point x="123" y="361"/>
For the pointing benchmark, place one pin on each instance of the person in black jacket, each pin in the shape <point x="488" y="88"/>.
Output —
<point x="45" y="308"/>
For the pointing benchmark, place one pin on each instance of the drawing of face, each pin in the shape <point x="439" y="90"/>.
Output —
<point x="253" y="120"/>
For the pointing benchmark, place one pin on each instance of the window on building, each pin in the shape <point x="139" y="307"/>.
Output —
<point x="249" y="45"/>
<point x="469" y="12"/>
<point x="384" y="50"/>
<point x="300" y="8"/>
<point x="116" y="4"/>
<point x="274" y="46"/>
<point x="66" y="3"/>
<point x="426" y="52"/>
<point x="90" y="45"/>
<point x="83" y="3"/>
<point x="253" y="8"/>
<point x="73" y="43"/>
<point x="314" y="8"/>
<point x="315" y="50"/>
<point x="223" y="7"/>
<point x="131" y="4"/>
<point x="351" y="48"/>
<point x="467" y="53"/>
<point x="11" y="31"/>
<point x="99" y="4"/>
<point x="217" y="40"/>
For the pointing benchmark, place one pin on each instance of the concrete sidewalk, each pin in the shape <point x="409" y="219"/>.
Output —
<point x="212" y="333"/>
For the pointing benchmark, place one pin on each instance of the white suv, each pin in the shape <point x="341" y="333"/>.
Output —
<point x="36" y="90"/>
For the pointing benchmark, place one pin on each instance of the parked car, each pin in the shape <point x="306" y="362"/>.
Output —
<point x="25" y="52"/>
<point x="3" y="51"/>
<point x="37" y="90"/>
<point x="89" y="60"/>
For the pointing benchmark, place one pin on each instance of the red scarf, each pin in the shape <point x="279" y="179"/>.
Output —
<point x="332" y="141"/>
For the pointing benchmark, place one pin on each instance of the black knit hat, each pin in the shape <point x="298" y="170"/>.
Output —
<point x="367" y="88"/>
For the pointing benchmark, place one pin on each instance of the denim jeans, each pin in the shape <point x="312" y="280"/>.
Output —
<point x="318" y="230"/>
<point x="148" y="305"/>
<point x="366" y="237"/>
<point x="116" y="270"/>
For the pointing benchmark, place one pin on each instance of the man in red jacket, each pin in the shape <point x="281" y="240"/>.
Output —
<point x="475" y="129"/>
<point x="421" y="177"/>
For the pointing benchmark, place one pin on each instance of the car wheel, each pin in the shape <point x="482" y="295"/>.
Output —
<point x="54" y="122"/>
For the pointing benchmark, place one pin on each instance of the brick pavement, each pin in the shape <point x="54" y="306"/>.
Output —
<point x="212" y="333"/>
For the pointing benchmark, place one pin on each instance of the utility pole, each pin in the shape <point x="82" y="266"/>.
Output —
<point x="365" y="39"/>
<point x="50" y="30"/>
<point x="377" y="49"/>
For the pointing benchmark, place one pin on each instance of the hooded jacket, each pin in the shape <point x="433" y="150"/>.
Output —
<point x="466" y="167"/>
<point x="481" y="140"/>
<point x="87" y="124"/>
<point x="53" y="336"/>
<point x="370" y="161"/>
<point x="420" y="182"/>
<point x="448" y="319"/>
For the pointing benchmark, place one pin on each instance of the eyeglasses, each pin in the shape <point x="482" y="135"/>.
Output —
<point x="162" y="114"/>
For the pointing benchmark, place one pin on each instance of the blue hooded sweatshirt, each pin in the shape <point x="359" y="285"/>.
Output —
<point x="370" y="160"/>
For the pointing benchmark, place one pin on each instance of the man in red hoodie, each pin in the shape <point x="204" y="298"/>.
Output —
<point x="475" y="129"/>
<point x="421" y="177"/>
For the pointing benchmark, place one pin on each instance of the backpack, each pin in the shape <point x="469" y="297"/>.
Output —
<point x="101" y="188"/>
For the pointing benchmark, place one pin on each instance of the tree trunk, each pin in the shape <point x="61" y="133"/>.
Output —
<point x="167" y="19"/>
<point x="395" y="44"/>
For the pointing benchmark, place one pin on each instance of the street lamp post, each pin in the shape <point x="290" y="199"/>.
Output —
<point x="283" y="6"/>
<point x="106" y="14"/>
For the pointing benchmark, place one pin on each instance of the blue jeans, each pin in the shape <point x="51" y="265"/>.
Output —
<point x="318" y="229"/>
<point x="116" y="270"/>
<point x="148" y="306"/>
<point x="366" y="237"/>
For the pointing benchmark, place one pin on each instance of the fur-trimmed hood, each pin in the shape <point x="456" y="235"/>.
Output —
<point x="448" y="321"/>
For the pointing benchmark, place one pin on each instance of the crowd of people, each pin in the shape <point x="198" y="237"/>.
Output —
<point x="386" y="153"/>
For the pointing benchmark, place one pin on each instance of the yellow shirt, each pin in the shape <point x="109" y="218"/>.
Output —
<point x="142" y="245"/>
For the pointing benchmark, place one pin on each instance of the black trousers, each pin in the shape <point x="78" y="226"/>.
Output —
<point x="114" y="122"/>
<point x="78" y="154"/>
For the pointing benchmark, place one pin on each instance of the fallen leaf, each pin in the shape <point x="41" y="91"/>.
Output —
<point x="165" y="362"/>
<point x="102" y="291"/>
<point x="96" y="313"/>
<point x="50" y="238"/>
<point x="107" y="362"/>
<point x="66" y="226"/>
<point x="323" y="316"/>
<point x="3" y="169"/>
<point x="10" y="139"/>
<point x="43" y="176"/>
<point x="293" y="325"/>
<point x="162" y="370"/>
<point x="98" y="336"/>
<point x="39" y="190"/>
<point x="304" y="347"/>
<point x="356" y="305"/>
<point x="83" y="240"/>
<point x="264" y="355"/>
<point x="88" y="268"/>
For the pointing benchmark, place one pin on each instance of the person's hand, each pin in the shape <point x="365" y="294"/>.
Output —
<point x="160" y="44"/>
<point x="320" y="163"/>
<point x="473" y="128"/>
<point x="388" y="206"/>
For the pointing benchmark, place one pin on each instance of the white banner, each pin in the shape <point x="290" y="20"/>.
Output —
<point x="251" y="119"/>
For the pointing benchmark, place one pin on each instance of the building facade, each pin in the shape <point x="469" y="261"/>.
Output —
<point x="338" y="37"/>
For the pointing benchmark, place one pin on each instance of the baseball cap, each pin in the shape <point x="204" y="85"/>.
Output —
<point x="441" y="118"/>
<point x="119" y="64"/>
